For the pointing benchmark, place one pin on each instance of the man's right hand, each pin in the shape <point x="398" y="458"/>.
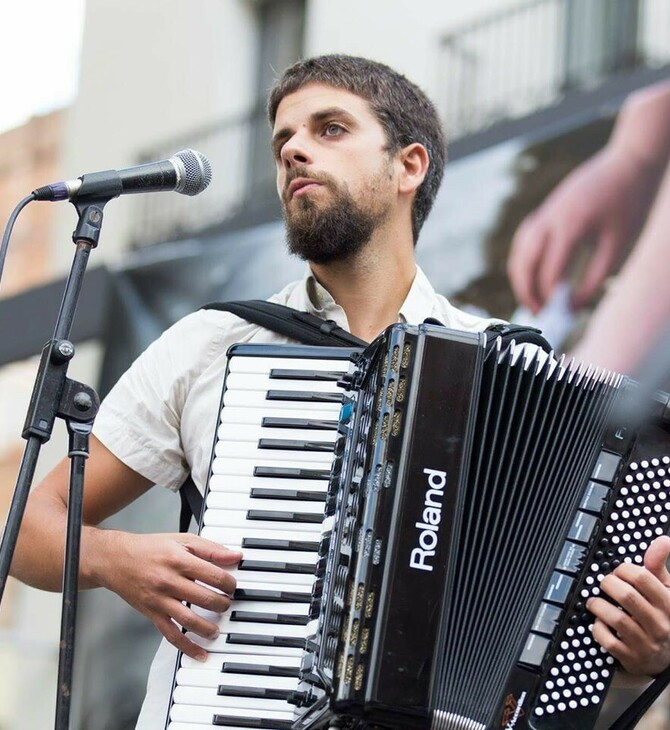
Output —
<point x="154" y="573"/>
<point x="603" y="203"/>
<point x="157" y="574"/>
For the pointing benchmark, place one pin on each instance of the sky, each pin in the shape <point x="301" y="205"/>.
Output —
<point x="39" y="57"/>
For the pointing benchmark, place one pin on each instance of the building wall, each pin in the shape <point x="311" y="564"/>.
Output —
<point x="30" y="156"/>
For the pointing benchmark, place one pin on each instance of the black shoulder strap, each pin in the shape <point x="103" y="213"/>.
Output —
<point x="301" y="326"/>
<point x="519" y="333"/>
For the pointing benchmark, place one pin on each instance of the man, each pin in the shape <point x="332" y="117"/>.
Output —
<point x="359" y="156"/>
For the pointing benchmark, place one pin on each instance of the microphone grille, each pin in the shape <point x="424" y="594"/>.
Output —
<point x="195" y="169"/>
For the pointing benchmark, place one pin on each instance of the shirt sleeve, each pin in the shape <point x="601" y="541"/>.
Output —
<point x="139" y="420"/>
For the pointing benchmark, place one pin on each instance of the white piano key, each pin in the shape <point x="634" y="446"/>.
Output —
<point x="288" y="609"/>
<point x="221" y="644"/>
<point x="230" y="536"/>
<point x="257" y="398"/>
<point x="205" y="713"/>
<point x="239" y="519"/>
<point x="261" y="381"/>
<point x="231" y="431"/>
<point x="209" y="696"/>
<point x="237" y="501"/>
<point x="197" y="725"/>
<point x="227" y="625"/>
<point x="261" y="576"/>
<point x="261" y="457"/>
<point x="244" y="364"/>
<point x="287" y="556"/>
<point x="254" y="416"/>
<point x="246" y="468"/>
<point x="217" y="660"/>
<point x="198" y="678"/>
<point x="244" y="484"/>
<point x="201" y="726"/>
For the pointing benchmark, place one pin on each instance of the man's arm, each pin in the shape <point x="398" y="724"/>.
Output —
<point x="603" y="201"/>
<point x="154" y="573"/>
<point x="635" y="312"/>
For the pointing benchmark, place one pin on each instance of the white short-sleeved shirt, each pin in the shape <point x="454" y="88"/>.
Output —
<point x="161" y="416"/>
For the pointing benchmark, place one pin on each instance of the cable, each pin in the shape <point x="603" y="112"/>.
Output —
<point x="8" y="229"/>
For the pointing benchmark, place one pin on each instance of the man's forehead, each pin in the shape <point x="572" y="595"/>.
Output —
<point x="315" y="97"/>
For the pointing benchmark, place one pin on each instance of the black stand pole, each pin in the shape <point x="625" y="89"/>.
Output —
<point x="55" y="395"/>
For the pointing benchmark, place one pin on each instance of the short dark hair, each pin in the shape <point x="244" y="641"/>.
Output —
<point x="402" y="108"/>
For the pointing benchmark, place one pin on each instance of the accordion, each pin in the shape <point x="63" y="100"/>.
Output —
<point x="419" y="548"/>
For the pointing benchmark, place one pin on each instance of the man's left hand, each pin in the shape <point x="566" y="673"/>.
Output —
<point x="639" y="635"/>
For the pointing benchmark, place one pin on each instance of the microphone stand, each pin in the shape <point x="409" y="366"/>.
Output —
<point x="57" y="396"/>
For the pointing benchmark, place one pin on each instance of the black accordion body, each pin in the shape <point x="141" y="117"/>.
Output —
<point x="475" y="498"/>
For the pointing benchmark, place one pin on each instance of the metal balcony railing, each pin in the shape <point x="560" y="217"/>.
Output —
<point x="528" y="57"/>
<point x="507" y="66"/>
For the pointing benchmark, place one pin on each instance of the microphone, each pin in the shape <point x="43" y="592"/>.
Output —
<point x="187" y="172"/>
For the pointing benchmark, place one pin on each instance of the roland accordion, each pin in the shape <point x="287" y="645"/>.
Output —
<point x="422" y="524"/>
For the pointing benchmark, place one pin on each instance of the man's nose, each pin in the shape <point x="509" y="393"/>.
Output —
<point x="296" y="151"/>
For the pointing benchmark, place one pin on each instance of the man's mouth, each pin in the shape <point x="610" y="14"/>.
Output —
<point x="301" y="185"/>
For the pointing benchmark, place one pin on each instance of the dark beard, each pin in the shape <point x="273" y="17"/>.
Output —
<point x="326" y="234"/>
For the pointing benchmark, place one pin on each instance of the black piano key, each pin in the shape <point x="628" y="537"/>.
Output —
<point x="282" y="619"/>
<point x="257" y="594"/>
<point x="261" y="670"/>
<point x="318" y="375"/>
<point x="294" y="445"/>
<point x="273" y="544"/>
<point x="261" y="693"/>
<point x="304" y="396"/>
<point x="287" y="642"/>
<point x="276" y="566"/>
<point x="315" y="424"/>
<point x="252" y="722"/>
<point x="284" y="472"/>
<point x="302" y="518"/>
<point x="269" y="493"/>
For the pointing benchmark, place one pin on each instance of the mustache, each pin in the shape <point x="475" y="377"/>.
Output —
<point x="296" y="172"/>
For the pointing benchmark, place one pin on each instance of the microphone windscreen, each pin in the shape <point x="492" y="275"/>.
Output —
<point x="195" y="171"/>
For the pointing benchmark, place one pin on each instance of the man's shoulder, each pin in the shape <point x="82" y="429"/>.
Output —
<point x="460" y="319"/>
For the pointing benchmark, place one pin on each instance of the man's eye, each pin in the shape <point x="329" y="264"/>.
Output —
<point x="333" y="130"/>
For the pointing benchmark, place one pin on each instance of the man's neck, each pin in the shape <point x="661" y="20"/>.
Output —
<point x="371" y="287"/>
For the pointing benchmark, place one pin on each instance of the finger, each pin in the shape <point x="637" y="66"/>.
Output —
<point x="597" y="270"/>
<point x="610" y="642"/>
<point x="554" y="265"/>
<point x="527" y="249"/>
<point x="203" y="595"/>
<point x="639" y="593"/>
<point x="212" y="551"/>
<point x="626" y="628"/>
<point x="193" y="622"/>
<point x="656" y="558"/>
<point x="174" y="635"/>
<point x="645" y="583"/>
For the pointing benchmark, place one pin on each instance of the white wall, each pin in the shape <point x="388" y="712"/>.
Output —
<point x="150" y="71"/>
<point x="402" y="33"/>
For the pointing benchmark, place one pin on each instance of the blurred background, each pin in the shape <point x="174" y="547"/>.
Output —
<point x="527" y="90"/>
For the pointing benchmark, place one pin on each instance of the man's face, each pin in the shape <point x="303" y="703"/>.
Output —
<point x="335" y="178"/>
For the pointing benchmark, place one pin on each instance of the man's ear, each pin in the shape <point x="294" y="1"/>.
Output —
<point x="414" y="163"/>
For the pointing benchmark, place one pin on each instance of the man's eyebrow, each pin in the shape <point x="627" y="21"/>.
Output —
<point x="333" y="111"/>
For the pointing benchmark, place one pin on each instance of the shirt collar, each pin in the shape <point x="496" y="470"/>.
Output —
<point x="420" y="301"/>
<point x="418" y="305"/>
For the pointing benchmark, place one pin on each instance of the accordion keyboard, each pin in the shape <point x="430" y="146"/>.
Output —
<point x="266" y="495"/>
